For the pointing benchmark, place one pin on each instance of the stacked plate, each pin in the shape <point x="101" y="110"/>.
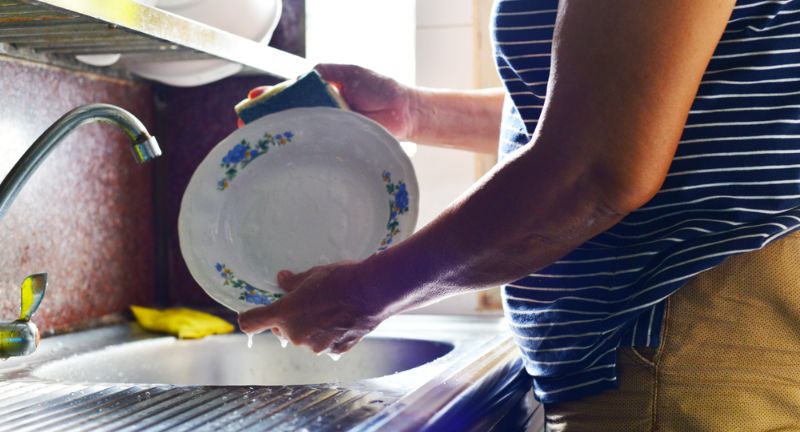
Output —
<point x="251" y="19"/>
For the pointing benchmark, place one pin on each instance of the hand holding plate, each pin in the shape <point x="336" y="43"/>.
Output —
<point x="323" y="309"/>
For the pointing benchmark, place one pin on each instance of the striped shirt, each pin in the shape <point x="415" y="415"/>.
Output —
<point x="733" y="187"/>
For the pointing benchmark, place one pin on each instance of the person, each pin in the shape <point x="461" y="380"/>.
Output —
<point x="640" y="219"/>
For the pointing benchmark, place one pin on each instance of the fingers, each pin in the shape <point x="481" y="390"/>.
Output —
<point x="345" y="344"/>
<point x="339" y="74"/>
<point x="259" y="319"/>
<point x="290" y="281"/>
<point x="256" y="92"/>
<point x="332" y="73"/>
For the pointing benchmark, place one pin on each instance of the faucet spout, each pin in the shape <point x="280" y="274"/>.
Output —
<point x="21" y="337"/>
<point x="144" y="146"/>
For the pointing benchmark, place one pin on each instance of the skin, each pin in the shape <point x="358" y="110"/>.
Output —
<point x="625" y="71"/>
<point x="431" y="116"/>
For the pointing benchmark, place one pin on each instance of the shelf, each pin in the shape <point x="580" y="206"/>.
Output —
<point x="55" y="31"/>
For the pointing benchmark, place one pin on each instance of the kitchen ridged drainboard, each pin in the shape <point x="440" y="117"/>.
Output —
<point x="47" y="406"/>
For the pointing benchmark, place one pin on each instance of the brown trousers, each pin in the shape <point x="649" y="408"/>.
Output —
<point x="729" y="358"/>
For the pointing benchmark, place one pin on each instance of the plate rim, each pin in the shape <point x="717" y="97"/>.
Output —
<point x="186" y="244"/>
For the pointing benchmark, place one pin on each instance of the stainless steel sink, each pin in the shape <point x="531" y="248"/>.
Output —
<point x="227" y="361"/>
<point x="411" y="373"/>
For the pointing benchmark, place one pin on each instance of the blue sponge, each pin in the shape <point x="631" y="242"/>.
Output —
<point x="307" y="91"/>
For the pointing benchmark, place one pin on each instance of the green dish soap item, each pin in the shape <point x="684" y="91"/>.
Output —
<point x="310" y="90"/>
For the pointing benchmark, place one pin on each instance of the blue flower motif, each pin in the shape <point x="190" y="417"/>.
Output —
<point x="236" y="154"/>
<point x="288" y="135"/>
<point x="219" y="267"/>
<point x="256" y="298"/>
<point x="401" y="198"/>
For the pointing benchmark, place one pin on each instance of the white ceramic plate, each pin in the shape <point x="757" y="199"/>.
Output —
<point x="292" y="190"/>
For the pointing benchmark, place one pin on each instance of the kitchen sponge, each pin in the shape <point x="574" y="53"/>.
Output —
<point x="181" y="322"/>
<point x="310" y="90"/>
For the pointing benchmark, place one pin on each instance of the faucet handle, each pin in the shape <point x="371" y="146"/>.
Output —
<point x="33" y="288"/>
<point x="21" y="337"/>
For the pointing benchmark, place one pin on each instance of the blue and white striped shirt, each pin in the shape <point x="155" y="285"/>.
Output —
<point x="733" y="187"/>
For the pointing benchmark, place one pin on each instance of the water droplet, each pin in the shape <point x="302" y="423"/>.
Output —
<point x="249" y="340"/>
<point x="334" y="356"/>
<point x="284" y="341"/>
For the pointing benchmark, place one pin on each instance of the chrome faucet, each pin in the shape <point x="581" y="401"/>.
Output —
<point x="21" y="337"/>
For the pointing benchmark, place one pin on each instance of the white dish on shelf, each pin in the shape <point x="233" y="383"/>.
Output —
<point x="98" y="59"/>
<point x="103" y="60"/>
<point x="251" y="19"/>
<point x="294" y="189"/>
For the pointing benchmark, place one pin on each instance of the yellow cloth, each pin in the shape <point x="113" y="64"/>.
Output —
<point x="181" y="322"/>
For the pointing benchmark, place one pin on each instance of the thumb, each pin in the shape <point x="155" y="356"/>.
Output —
<point x="259" y="319"/>
<point x="290" y="281"/>
<point x="332" y="73"/>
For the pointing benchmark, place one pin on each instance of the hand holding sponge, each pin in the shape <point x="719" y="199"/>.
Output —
<point x="310" y="90"/>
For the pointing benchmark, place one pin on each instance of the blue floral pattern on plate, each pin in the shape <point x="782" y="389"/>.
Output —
<point x="398" y="205"/>
<point x="243" y="153"/>
<point x="247" y="292"/>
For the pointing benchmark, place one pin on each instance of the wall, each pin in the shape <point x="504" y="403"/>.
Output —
<point x="85" y="216"/>
<point x="88" y="217"/>
<point x="451" y="40"/>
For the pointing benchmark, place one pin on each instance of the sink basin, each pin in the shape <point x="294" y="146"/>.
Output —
<point x="227" y="361"/>
<point x="410" y="373"/>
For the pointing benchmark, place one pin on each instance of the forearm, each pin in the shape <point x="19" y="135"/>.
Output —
<point x="463" y="119"/>
<point x="522" y="216"/>
<point x="602" y="149"/>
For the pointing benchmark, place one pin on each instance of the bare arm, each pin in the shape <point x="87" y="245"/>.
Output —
<point x="463" y="119"/>
<point x="624" y="75"/>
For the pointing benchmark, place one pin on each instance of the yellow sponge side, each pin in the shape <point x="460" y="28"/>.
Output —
<point x="181" y="322"/>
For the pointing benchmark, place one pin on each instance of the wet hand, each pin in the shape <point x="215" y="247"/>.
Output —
<point x="324" y="309"/>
